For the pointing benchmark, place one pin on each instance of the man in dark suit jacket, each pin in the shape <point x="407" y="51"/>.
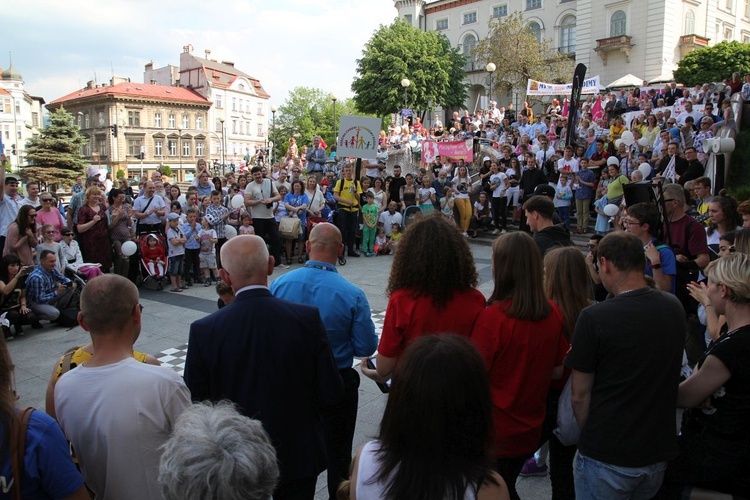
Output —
<point x="271" y="357"/>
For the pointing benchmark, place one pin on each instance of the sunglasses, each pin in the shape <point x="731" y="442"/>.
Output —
<point x="33" y="216"/>
<point x="67" y="234"/>
<point x="46" y="200"/>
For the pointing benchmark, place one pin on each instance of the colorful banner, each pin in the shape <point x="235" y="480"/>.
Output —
<point x="358" y="136"/>
<point x="448" y="151"/>
<point x="590" y="86"/>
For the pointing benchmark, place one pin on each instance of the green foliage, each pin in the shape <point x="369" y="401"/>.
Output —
<point x="121" y="174"/>
<point x="166" y="170"/>
<point x="55" y="156"/>
<point x="713" y="64"/>
<point x="519" y="56"/>
<point x="307" y="112"/>
<point x="738" y="181"/>
<point x="434" y="68"/>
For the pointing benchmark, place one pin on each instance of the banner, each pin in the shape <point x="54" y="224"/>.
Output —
<point x="590" y="86"/>
<point x="448" y="151"/>
<point x="358" y="136"/>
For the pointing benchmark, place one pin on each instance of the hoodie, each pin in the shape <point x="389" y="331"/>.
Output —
<point x="552" y="237"/>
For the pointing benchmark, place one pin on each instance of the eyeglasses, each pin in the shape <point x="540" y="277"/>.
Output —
<point x="140" y="308"/>
<point x="46" y="200"/>
<point x="65" y="235"/>
<point x="33" y="216"/>
<point x="591" y="246"/>
<point x="295" y="171"/>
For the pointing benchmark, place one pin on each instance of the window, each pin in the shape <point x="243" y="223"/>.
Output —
<point x="470" y="43"/>
<point x="218" y="101"/>
<point x="728" y="33"/>
<point x="171" y="121"/>
<point x="185" y="121"/>
<point x="241" y="86"/>
<point x="6" y="105"/>
<point x="747" y="9"/>
<point x="158" y="147"/>
<point x="80" y="122"/>
<point x="730" y="5"/>
<point x="102" y="147"/>
<point x="87" y="119"/>
<point x="533" y="4"/>
<point x="260" y="108"/>
<point x="199" y="122"/>
<point x="745" y="38"/>
<point x="408" y="18"/>
<point x="198" y="148"/>
<point x="689" y="23"/>
<point x="35" y="119"/>
<point x="172" y="148"/>
<point x="186" y="147"/>
<point x="470" y="17"/>
<point x="234" y="104"/>
<point x="100" y="118"/>
<point x="441" y="24"/>
<point x="234" y="126"/>
<point x="618" y="24"/>
<point x="218" y="125"/>
<point x="260" y="130"/>
<point x="568" y="35"/>
<point x="134" y="147"/>
<point x="536" y="29"/>
<point x="134" y="120"/>
<point x="157" y="120"/>
<point x="502" y="11"/>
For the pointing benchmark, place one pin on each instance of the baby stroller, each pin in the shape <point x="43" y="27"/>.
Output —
<point x="412" y="214"/>
<point x="153" y="260"/>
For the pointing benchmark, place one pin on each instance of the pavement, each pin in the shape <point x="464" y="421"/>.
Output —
<point x="166" y="320"/>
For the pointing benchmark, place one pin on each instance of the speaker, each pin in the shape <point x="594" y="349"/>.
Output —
<point x="637" y="192"/>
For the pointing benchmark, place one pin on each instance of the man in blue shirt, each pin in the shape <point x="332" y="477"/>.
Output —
<point x="346" y="316"/>
<point x="45" y="287"/>
<point x="643" y="221"/>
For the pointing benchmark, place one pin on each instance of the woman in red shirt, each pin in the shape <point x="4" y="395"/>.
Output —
<point x="521" y="337"/>
<point x="432" y="289"/>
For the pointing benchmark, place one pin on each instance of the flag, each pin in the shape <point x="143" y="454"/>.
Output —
<point x="566" y="106"/>
<point x="596" y="110"/>
<point x="323" y="144"/>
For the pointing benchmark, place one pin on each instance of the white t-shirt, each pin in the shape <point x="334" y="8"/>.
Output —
<point x="117" y="417"/>
<point x="463" y="186"/>
<point x="423" y="195"/>
<point x="255" y="191"/>
<point x="387" y="220"/>
<point x="499" y="180"/>
<point x="571" y="165"/>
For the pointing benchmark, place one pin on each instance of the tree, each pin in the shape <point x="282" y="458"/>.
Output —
<point x="713" y="64"/>
<point x="520" y="56"/>
<point x="434" y="68"/>
<point x="307" y="112"/>
<point x="55" y="156"/>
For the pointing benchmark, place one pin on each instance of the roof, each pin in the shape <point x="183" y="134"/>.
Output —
<point x="4" y="92"/>
<point x="11" y="74"/>
<point x="138" y="91"/>
<point x="224" y="75"/>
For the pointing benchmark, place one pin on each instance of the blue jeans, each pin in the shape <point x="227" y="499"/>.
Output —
<point x="596" y="480"/>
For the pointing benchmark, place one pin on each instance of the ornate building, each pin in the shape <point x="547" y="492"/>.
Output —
<point x="20" y="116"/>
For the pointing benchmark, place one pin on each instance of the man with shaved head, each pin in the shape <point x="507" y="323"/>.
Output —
<point x="351" y="332"/>
<point x="116" y="411"/>
<point x="271" y="357"/>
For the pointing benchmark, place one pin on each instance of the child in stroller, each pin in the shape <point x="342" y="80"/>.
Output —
<point x="153" y="257"/>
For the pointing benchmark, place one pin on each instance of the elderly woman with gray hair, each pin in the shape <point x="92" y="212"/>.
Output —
<point x="216" y="453"/>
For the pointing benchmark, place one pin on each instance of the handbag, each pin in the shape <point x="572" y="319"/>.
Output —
<point x="567" y="430"/>
<point x="289" y="228"/>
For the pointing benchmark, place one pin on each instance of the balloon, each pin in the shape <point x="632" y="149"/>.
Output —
<point x="182" y="199"/>
<point x="129" y="248"/>
<point x="645" y="169"/>
<point x="618" y="142"/>
<point x="611" y="210"/>
<point x="397" y="129"/>
<point x="238" y="201"/>
<point x="628" y="138"/>
<point x="643" y="142"/>
<point x="612" y="160"/>
<point x="229" y="232"/>
<point x="535" y="148"/>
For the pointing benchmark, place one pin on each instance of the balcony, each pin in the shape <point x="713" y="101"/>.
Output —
<point x="620" y="43"/>
<point x="689" y="43"/>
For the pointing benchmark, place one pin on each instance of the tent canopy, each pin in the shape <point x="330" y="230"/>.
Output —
<point x="628" y="80"/>
<point x="665" y="77"/>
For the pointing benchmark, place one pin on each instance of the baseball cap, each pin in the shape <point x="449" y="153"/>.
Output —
<point x="545" y="190"/>
<point x="172" y="216"/>
<point x="486" y="158"/>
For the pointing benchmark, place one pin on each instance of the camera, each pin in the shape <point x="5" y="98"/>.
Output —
<point x="269" y="205"/>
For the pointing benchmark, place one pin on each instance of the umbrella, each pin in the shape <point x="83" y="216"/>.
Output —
<point x="628" y="80"/>
<point x="665" y="77"/>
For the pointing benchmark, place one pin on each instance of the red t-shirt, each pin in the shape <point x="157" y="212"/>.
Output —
<point x="520" y="356"/>
<point x="407" y="318"/>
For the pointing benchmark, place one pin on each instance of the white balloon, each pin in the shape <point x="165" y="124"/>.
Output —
<point x="129" y="248"/>
<point x="535" y="148"/>
<point x="238" y="201"/>
<point x="611" y="210"/>
<point x="229" y="232"/>
<point x="182" y="199"/>
<point x="643" y="142"/>
<point x="612" y="160"/>
<point x="628" y="138"/>
<point x="618" y="142"/>
<point x="645" y="169"/>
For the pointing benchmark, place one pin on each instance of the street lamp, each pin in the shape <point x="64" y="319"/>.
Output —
<point x="404" y="83"/>
<point x="223" y="142"/>
<point x="335" y="128"/>
<point x="490" y="69"/>
<point x="273" y="133"/>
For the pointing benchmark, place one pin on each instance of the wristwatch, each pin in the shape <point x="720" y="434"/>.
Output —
<point x="656" y="266"/>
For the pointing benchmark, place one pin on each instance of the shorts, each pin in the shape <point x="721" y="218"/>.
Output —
<point x="175" y="265"/>
<point x="208" y="260"/>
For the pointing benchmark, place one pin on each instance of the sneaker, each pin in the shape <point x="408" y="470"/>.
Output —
<point x="353" y="253"/>
<point x="188" y="283"/>
<point x="496" y="231"/>
<point x="531" y="468"/>
<point x="466" y="235"/>
<point x="503" y="231"/>
<point x="207" y="283"/>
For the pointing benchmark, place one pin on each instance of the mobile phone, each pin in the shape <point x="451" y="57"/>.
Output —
<point x="384" y="387"/>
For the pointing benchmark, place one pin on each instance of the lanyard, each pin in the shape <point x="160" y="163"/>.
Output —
<point x="322" y="267"/>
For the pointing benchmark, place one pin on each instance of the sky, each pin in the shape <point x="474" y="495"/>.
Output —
<point x="59" y="46"/>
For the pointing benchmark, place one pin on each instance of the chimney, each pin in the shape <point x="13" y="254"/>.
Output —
<point x="208" y="53"/>
<point x="186" y="48"/>
<point x="228" y="63"/>
<point x="153" y="82"/>
<point x="150" y="66"/>
<point x="90" y="84"/>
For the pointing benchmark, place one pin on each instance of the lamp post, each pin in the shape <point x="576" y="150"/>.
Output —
<point x="404" y="83"/>
<point x="335" y="128"/>
<point x="490" y="69"/>
<point x="273" y="134"/>
<point x="223" y="142"/>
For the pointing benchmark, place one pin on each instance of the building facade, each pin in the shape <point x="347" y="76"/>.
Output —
<point x="20" y="116"/>
<point x="238" y="119"/>
<point x="613" y="38"/>
<point x="136" y="127"/>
